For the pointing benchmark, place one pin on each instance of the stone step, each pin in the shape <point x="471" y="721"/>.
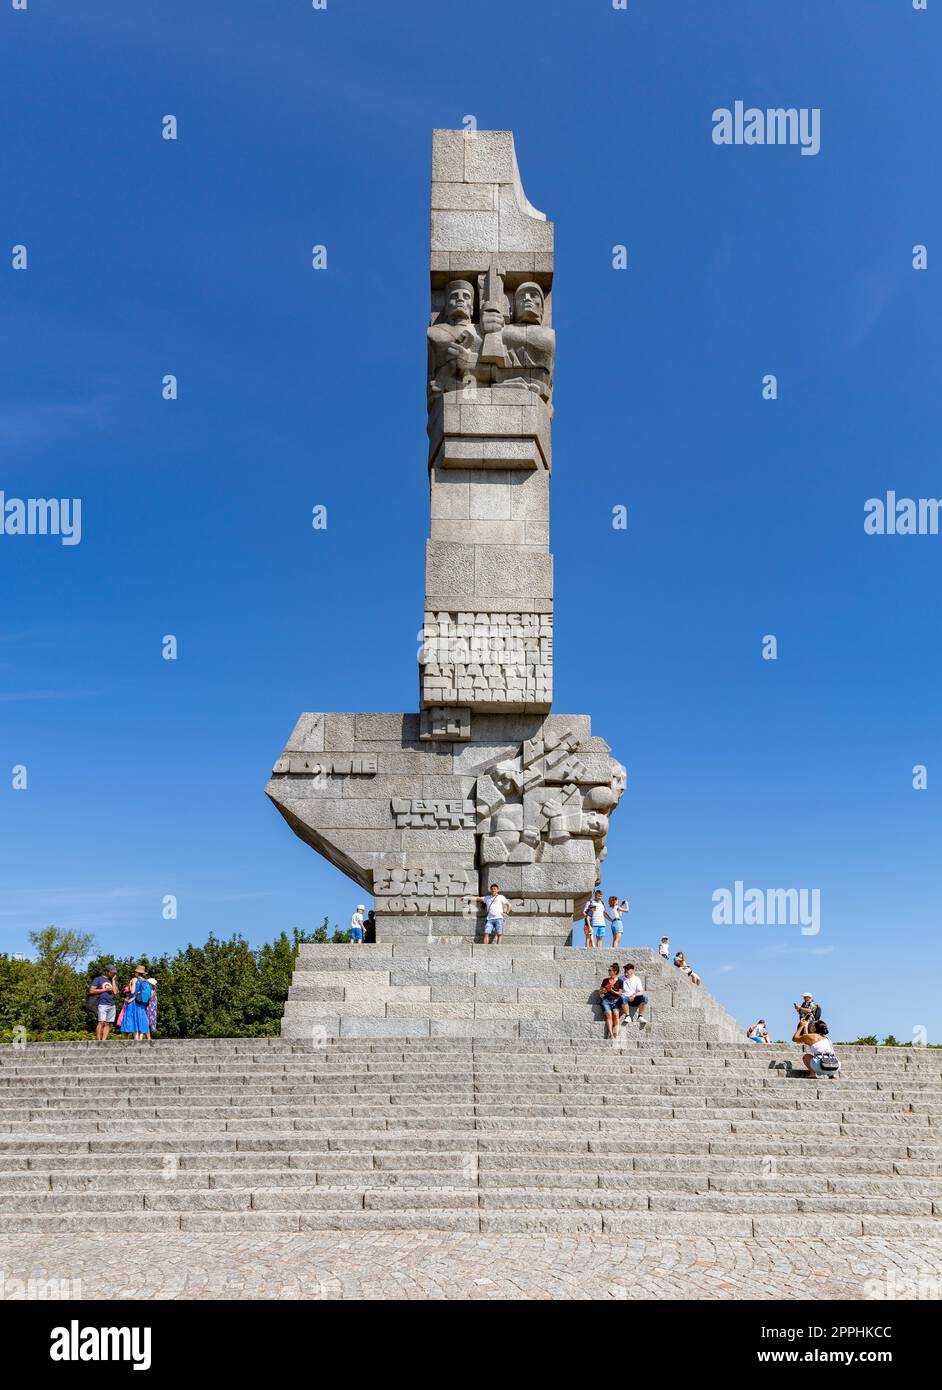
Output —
<point x="597" y="1176"/>
<point x="120" y="1055"/>
<point x="669" y="1137"/>
<point x="809" y="1101"/>
<point x="580" y="1157"/>
<point x="462" y="1197"/>
<point x="449" y="1191"/>
<point x="496" y="1221"/>
<point x="622" y="1109"/>
<point x="687" y="1158"/>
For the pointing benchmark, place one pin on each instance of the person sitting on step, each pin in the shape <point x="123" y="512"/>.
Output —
<point x="611" y="997"/>
<point x="634" y="995"/>
<point x="758" y="1033"/>
<point x="680" y="960"/>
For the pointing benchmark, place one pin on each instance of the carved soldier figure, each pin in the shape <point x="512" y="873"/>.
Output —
<point x="528" y="344"/>
<point x="454" y="343"/>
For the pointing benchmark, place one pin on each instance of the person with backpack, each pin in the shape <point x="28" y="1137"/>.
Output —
<point x="808" y="1009"/>
<point x="819" y="1056"/>
<point x="134" y="1018"/>
<point x="103" y="1000"/>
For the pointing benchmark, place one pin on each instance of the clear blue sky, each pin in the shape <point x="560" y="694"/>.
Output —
<point x="297" y="388"/>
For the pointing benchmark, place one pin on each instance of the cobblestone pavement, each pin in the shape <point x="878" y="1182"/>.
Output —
<point x="423" y="1265"/>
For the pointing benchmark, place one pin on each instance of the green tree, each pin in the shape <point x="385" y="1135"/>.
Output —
<point x="57" y="989"/>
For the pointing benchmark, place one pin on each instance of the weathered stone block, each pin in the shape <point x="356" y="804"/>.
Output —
<point x="464" y="231"/>
<point x="448" y="156"/>
<point x="498" y="571"/>
<point x="489" y="157"/>
<point x="463" y="197"/>
<point x="449" y="569"/>
<point x="451" y="495"/>
<point x="308" y="734"/>
<point x="340" y="732"/>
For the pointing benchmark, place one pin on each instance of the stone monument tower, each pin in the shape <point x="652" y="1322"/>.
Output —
<point x="483" y="785"/>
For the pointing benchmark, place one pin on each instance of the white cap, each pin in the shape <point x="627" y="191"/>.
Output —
<point x="807" y="994"/>
<point x="361" y="907"/>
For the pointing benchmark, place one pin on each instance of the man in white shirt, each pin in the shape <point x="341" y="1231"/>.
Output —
<point x="498" y="908"/>
<point x="594" y="916"/>
<point x="634" y="994"/>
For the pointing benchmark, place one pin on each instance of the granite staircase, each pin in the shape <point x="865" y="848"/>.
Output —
<point x="424" y="990"/>
<point x="665" y="1133"/>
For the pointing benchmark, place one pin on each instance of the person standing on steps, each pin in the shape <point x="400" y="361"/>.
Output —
<point x="356" y="925"/>
<point x="498" y="908"/>
<point x="634" y="995"/>
<point x="152" y="1009"/>
<point x="105" y="989"/>
<point x="369" y="929"/>
<point x="808" y="1009"/>
<point x="613" y="917"/>
<point x="594" y="916"/>
<point x="138" y="994"/>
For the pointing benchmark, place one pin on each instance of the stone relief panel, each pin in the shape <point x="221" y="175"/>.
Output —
<point x="301" y="764"/>
<point x="433" y="815"/>
<point x="452" y="724"/>
<point x="487" y="658"/>
<point x="509" y="345"/>
<point x="545" y="797"/>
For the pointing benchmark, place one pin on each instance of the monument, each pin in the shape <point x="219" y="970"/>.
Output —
<point x="483" y="784"/>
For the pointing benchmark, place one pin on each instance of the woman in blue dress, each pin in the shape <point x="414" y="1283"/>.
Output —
<point x="135" y="1019"/>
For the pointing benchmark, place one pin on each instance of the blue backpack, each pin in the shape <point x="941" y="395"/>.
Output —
<point x="144" y="993"/>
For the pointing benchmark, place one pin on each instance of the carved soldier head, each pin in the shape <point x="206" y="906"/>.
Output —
<point x="459" y="301"/>
<point x="508" y="779"/>
<point x="528" y="303"/>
